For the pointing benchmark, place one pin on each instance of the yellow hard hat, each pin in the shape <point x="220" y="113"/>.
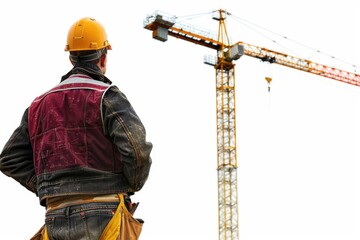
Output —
<point x="87" y="34"/>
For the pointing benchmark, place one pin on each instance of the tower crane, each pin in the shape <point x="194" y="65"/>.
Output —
<point x="162" y="26"/>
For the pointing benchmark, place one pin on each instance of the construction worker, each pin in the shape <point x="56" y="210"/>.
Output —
<point x="81" y="147"/>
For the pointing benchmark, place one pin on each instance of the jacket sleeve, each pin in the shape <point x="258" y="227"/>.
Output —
<point x="124" y="127"/>
<point x="16" y="159"/>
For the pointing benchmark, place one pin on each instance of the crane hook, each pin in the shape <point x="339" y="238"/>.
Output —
<point x="268" y="79"/>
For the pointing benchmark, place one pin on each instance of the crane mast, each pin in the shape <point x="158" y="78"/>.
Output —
<point x="226" y="137"/>
<point x="164" y="26"/>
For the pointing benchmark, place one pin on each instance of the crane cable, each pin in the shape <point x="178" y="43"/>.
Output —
<point x="248" y="23"/>
<point x="191" y="16"/>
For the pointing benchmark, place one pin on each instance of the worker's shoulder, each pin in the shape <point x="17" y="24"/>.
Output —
<point x="114" y="92"/>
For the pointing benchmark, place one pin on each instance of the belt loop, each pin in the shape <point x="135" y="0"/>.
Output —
<point x="67" y="211"/>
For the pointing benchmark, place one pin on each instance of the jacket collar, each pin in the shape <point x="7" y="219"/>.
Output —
<point x="89" y="69"/>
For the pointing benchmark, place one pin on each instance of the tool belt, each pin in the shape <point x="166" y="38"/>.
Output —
<point x="65" y="201"/>
<point x="122" y="226"/>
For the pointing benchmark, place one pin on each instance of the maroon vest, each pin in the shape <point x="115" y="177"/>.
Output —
<point x="66" y="128"/>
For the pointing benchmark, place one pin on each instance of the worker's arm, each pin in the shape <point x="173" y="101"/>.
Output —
<point x="127" y="132"/>
<point x="16" y="159"/>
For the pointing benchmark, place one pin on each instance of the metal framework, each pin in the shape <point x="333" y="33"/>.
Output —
<point x="226" y="151"/>
<point x="226" y="137"/>
<point x="162" y="26"/>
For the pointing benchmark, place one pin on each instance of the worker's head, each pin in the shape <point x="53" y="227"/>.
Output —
<point x="87" y="42"/>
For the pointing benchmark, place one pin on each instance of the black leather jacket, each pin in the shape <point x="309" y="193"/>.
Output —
<point x="16" y="159"/>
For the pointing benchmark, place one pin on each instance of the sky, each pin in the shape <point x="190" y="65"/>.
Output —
<point x="297" y="146"/>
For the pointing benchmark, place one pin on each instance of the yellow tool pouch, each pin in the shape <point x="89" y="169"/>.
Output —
<point x="122" y="226"/>
<point x="41" y="234"/>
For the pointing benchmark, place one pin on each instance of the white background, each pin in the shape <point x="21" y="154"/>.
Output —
<point x="298" y="146"/>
